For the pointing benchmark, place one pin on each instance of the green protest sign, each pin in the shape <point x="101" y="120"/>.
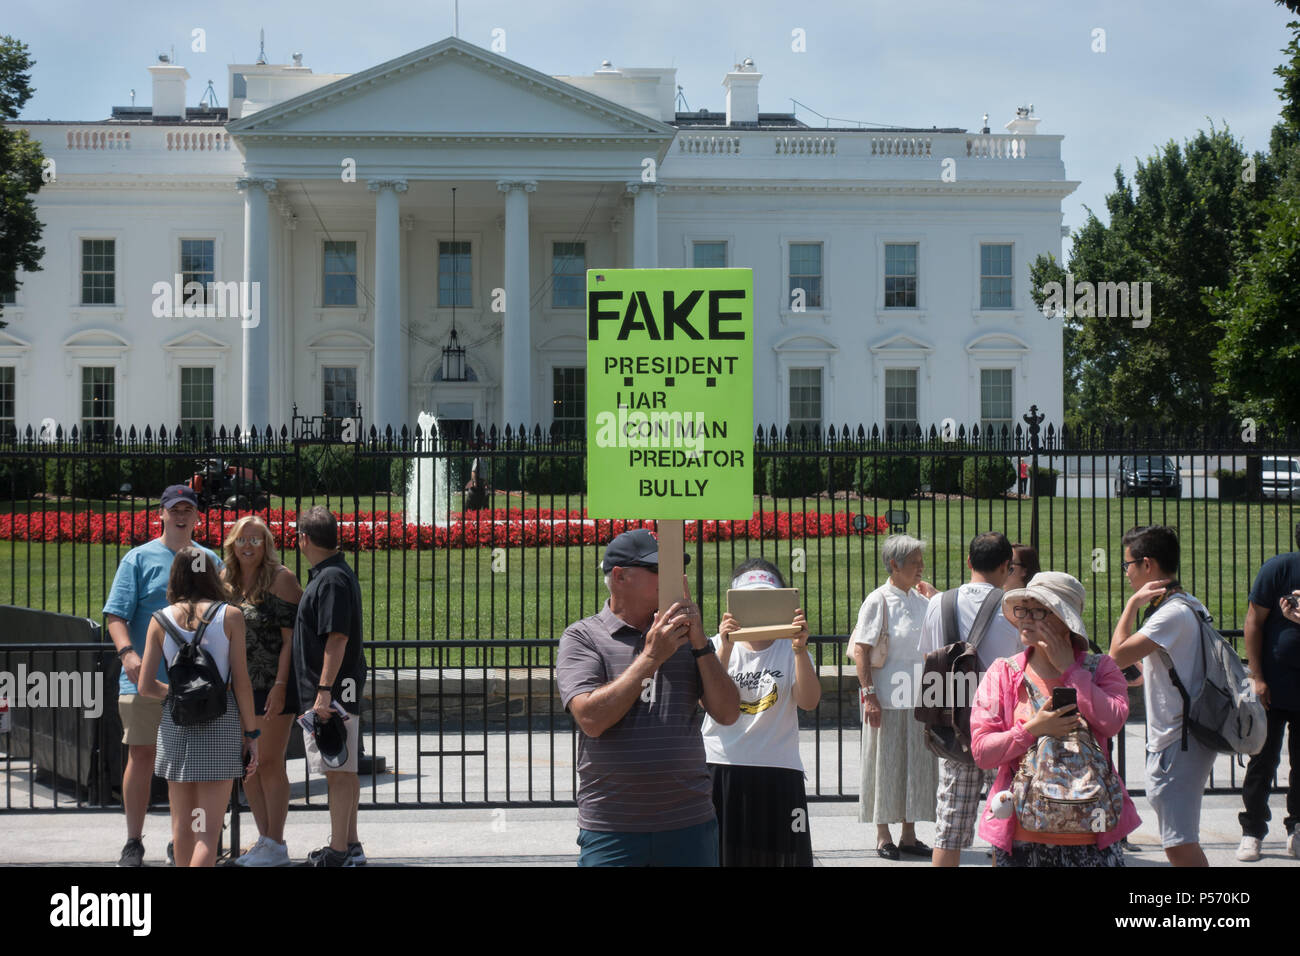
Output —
<point x="670" y="393"/>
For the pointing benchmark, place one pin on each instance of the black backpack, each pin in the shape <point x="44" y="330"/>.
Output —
<point x="951" y="674"/>
<point x="198" y="691"/>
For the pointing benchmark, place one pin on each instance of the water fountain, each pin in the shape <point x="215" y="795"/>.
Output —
<point x="428" y="497"/>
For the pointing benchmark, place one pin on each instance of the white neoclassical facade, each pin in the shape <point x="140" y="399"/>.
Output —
<point x="211" y="266"/>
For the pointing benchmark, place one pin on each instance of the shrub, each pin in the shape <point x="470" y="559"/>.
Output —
<point x="891" y="476"/>
<point x="943" y="474"/>
<point x="554" y="475"/>
<point x="987" y="476"/>
<point x="1232" y="484"/>
<point x="1044" y="481"/>
<point x="797" y="476"/>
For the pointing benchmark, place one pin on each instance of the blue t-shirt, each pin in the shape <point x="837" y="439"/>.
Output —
<point x="1281" y="656"/>
<point x="139" y="589"/>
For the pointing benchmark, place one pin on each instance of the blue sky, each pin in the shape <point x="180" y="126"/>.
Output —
<point x="1170" y="67"/>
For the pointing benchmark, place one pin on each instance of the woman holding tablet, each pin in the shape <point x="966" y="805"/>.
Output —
<point x="758" y="777"/>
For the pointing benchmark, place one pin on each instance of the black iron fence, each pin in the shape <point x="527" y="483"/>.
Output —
<point x="475" y="554"/>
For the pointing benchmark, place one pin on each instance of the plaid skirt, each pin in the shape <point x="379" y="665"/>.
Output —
<point x="203" y="752"/>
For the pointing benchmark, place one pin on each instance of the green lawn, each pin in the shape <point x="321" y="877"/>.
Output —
<point x="456" y="594"/>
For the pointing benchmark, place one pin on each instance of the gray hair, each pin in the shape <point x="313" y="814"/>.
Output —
<point x="898" y="548"/>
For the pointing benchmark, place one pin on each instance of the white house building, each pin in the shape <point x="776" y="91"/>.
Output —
<point x="891" y="268"/>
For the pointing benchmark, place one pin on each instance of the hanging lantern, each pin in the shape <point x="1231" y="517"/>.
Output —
<point x="453" y="360"/>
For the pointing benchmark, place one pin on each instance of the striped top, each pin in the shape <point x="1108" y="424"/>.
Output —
<point x="646" y="773"/>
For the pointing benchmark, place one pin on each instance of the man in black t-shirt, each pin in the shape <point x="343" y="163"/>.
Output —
<point x="330" y="668"/>
<point x="1273" y="652"/>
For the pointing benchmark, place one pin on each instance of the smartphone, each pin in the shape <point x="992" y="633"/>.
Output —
<point x="1291" y="601"/>
<point x="1064" y="697"/>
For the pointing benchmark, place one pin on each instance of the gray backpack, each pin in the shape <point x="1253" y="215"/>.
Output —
<point x="1224" y="715"/>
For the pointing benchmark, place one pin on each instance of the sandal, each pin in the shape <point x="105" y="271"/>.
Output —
<point x="915" y="849"/>
<point x="887" y="851"/>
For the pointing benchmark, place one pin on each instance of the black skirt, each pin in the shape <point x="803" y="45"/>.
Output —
<point x="762" y="816"/>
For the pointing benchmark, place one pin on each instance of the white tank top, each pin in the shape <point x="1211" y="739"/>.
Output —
<point x="215" y="641"/>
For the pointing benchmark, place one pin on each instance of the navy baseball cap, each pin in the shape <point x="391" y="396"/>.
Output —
<point x="633" y="549"/>
<point x="174" y="494"/>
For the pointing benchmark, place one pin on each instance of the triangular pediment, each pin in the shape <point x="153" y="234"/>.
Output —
<point x="451" y="88"/>
<point x="902" y="343"/>
<point x="194" y="340"/>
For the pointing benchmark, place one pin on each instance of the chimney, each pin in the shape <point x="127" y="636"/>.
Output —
<point x="1025" y="124"/>
<point x="742" y="93"/>
<point x="168" y="89"/>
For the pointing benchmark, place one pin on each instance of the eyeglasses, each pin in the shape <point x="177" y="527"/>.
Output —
<point x="1124" y="565"/>
<point x="251" y="542"/>
<point x="1020" y="612"/>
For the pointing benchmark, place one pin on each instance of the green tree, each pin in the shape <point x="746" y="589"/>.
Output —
<point x="21" y="162"/>
<point x="1176" y="226"/>
<point x="1258" y="309"/>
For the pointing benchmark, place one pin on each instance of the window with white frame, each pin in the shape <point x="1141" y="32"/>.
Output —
<point x="98" y="271"/>
<point x="455" y="273"/>
<point x="338" y="391"/>
<point x="900" y="401"/>
<point x="568" y="275"/>
<point x="995" y="275"/>
<point x="197" y="404"/>
<point x="806" y="402"/>
<point x="8" y="398"/>
<point x="98" y="402"/>
<point x="339" y="274"/>
<point x="709" y="255"/>
<point x="569" y="401"/>
<point x="805" y="274"/>
<point x="900" y="275"/>
<point x="198" y="264"/>
<point x="995" y="400"/>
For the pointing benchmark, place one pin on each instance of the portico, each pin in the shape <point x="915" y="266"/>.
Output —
<point x="547" y="178"/>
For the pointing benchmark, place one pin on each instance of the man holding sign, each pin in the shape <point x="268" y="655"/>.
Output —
<point x="633" y="678"/>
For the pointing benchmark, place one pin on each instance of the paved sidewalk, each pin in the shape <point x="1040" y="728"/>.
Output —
<point x="538" y="837"/>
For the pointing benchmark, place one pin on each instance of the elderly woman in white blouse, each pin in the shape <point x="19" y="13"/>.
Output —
<point x="899" y="774"/>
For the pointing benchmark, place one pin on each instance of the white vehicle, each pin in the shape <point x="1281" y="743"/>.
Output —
<point x="1280" y="478"/>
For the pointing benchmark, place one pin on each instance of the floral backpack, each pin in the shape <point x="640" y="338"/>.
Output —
<point x="1066" y="784"/>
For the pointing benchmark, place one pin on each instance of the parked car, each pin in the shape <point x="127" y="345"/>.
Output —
<point x="1280" y="478"/>
<point x="1148" y="475"/>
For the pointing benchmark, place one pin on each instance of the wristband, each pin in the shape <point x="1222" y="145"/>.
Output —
<point x="327" y="688"/>
<point x="123" y="650"/>
<point x="252" y="734"/>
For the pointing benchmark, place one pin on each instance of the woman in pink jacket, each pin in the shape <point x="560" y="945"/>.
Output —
<point x="1005" y="723"/>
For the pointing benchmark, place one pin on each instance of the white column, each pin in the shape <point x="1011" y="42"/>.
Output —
<point x="516" y="377"/>
<point x="255" y="300"/>
<point x="388" y="409"/>
<point x="645" y="224"/>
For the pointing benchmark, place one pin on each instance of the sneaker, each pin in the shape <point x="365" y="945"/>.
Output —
<point x="326" y="856"/>
<point x="355" y="856"/>
<point x="1248" y="852"/>
<point x="132" y="853"/>
<point x="268" y="852"/>
<point x="1292" y="844"/>
<point x="246" y="858"/>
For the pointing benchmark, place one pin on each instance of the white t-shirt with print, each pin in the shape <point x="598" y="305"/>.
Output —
<point x="898" y="681"/>
<point x="1002" y="639"/>
<point x="1173" y="625"/>
<point x="767" y="732"/>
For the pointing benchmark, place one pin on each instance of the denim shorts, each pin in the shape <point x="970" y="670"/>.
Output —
<point x="690" y="846"/>
<point x="1175" y="785"/>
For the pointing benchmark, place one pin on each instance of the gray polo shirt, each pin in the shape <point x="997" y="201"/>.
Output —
<point x="646" y="773"/>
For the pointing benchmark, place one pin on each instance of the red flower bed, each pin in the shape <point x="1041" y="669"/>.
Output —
<point x="373" y="530"/>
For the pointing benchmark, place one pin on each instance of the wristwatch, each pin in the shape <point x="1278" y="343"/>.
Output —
<point x="328" y="688"/>
<point x="869" y="690"/>
<point x="706" y="649"/>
